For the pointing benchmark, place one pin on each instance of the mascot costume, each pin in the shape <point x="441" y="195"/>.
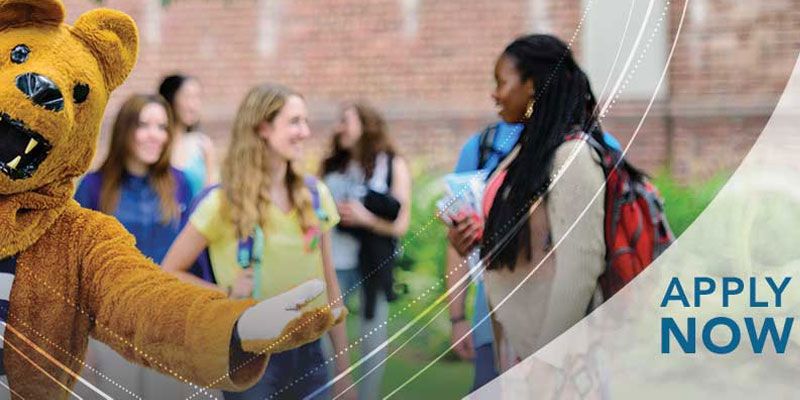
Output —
<point x="66" y="272"/>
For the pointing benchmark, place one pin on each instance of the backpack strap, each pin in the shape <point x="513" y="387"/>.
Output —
<point x="607" y="155"/>
<point x="389" y="171"/>
<point x="311" y="184"/>
<point x="249" y="254"/>
<point x="251" y="249"/>
<point x="93" y="184"/>
<point x="486" y="145"/>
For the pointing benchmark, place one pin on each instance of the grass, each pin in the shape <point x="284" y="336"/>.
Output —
<point x="446" y="379"/>
<point x="443" y="380"/>
<point x="422" y="267"/>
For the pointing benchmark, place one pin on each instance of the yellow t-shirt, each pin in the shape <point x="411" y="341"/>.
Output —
<point x="286" y="261"/>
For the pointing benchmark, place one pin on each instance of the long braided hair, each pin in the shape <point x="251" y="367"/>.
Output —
<point x="563" y="102"/>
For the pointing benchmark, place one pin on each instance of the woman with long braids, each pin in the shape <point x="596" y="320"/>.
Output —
<point x="537" y="195"/>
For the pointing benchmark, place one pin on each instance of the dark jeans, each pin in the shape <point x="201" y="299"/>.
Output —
<point x="293" y="374"/>
<point x="484" y="366"/>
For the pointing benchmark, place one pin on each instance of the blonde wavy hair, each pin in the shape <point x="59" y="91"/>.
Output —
<point x="245" y="174"/>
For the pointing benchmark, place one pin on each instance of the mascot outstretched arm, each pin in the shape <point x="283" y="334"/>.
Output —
<point x="67" y="273"/>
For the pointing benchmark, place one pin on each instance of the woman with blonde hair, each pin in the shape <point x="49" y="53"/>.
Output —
<point x="266" y="228"/>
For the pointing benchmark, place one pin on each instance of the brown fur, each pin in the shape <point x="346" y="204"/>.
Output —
<point x="78" y="271"/>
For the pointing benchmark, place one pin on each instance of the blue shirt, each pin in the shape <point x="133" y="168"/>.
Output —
<point x="139" y="210"/>
<point x="611" y="141"/>
<point x="506" y="137"/>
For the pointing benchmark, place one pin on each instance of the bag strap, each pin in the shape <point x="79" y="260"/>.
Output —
<point x="93" y="184"/>
<point x="249" y="254"/>
<point x="250" y="250"/>
<point x="389" y="172"/>
<point x="486" y="145"/>
<point x="311" y="184"/>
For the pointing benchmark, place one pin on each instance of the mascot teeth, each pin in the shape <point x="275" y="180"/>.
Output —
<point x="13" y="163"/>
<point x="31" y="145"/>
<point x="24" y="148"/>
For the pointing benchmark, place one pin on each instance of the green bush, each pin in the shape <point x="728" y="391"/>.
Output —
<point x="684" y="202"/>
<point x="423" y="262"/>
<point x="422" y="268"/>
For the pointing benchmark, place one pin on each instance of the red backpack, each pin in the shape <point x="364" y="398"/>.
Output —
<point x="636" y="228"/>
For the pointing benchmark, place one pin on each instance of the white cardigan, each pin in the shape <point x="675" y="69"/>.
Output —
<point x="558" y="293"/>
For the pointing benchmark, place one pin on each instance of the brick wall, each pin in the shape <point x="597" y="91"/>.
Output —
<point x="428" y="66"/>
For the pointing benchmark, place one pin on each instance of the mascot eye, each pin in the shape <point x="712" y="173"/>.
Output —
<point x="80" y="93"/>
<point x="20" y="54"/>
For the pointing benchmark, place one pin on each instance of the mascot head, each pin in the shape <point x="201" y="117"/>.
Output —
<point x="55" y="81"/>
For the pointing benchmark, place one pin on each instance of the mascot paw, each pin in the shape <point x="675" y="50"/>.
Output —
<point x="278" y="324"/>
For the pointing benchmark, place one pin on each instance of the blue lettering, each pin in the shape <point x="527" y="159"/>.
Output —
<point x="687" y="342"/>
<point x="753" y="301"/>
<point x="769" y="327"/>
<point x="778" y="290"/>
<point x="699" y="291"/>
<point x="727" y="291"/>
<point x="735" y="335"/>
<point x="675" y="284"/>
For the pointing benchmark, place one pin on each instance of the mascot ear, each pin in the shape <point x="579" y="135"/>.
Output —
<point x="113" y="39"/>
<point x="18" y="12"/>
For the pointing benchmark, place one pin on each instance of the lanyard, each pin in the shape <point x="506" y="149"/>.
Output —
<point x="249" y="254"/>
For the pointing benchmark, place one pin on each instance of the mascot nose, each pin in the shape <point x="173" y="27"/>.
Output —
<point x="41" y="90"/>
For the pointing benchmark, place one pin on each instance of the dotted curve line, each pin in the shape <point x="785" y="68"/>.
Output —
<point x="438" y="283"/>
<point x="685" y="6"/>
<point x="57" y="346"/>
<point x="139" y="351"/>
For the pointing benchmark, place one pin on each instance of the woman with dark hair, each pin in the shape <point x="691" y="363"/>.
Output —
<point x="137" y="185"/>
<point x="364" y="172"/>
<point x="542" y="188"/>
<point x="136" y="182"/>
<point x="193" y="151"/>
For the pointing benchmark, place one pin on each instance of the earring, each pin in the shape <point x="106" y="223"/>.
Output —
<point x="529" y="111"/>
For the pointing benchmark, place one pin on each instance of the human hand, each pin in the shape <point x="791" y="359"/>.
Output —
<point x="465" y="234"/>
<point x="463" y="349"/>
<point x="354" y="214"/>
<point x="243" y="285"/>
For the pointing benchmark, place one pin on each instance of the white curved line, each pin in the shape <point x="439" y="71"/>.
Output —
<point x="53" y="360"/>
<point x="629" y="60"/>
<point x="616" y="57"/>
<point x="638" y="127"/>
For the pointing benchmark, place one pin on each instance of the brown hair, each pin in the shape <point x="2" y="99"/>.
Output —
<point x="113" y="167"/>
<point x="245" y="175"/>
<point x="373" y="141"/>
